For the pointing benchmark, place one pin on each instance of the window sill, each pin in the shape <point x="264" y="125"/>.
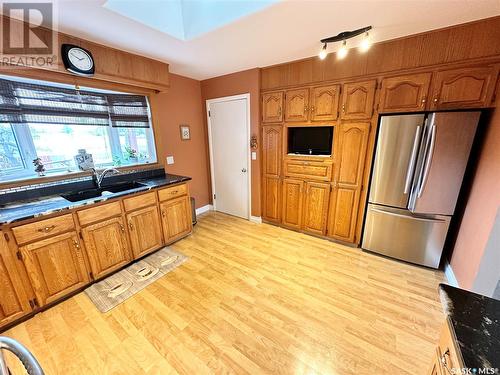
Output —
<point x="23" y="181"/>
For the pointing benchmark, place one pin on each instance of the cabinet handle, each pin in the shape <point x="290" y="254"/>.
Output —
<point x="306" y="108"/>
<point x="435" y="100"/>
<point x="424" y="99"/>
<point x="343" y="108"/>
<point x="312" y="109"/>
<point x="174" y="192"/>
<point x="130" y="225"/>
<point x="47" y="229"/>
<point x="122" y="228"/>
<point x="77" y="245"/>
<point x="444" y="362"/>
<point x="163" y="214"/>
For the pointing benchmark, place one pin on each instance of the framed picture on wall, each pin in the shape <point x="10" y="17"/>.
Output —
<point x="185" y="132"/>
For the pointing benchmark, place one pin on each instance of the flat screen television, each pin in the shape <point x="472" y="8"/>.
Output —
<point x="310" y="140"/>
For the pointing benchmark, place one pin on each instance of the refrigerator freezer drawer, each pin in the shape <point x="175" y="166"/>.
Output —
<point x="399" y="234"/>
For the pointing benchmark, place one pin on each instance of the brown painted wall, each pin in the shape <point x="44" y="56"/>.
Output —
<point x="182" y="105"/>
<point x="481" y="209"/>
<point x="247" y="81"/>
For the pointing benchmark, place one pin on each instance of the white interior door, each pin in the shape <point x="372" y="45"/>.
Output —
<point x="229" y="155"/>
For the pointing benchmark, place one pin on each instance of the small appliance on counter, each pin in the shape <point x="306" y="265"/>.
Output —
<point x="417" y="174"/>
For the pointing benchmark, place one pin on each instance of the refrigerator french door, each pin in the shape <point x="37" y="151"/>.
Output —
<point x="419" y="165"/>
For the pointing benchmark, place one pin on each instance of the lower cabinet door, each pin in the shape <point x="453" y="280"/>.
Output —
<point x="145" y="230"/>
<point x="176" y="218"/>
<point x="292" y="203"/>
<point x="13" y="299"/>
<point x="316" y="198"/>
<point x="271" y="198"/>
<point x="107" y="246"/>
<point x="55" y="266"/>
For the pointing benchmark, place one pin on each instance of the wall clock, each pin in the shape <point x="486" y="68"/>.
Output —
<point x="77" y="60"/>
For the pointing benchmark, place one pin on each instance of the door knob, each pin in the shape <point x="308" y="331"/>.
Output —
<point x="244" y="170"/>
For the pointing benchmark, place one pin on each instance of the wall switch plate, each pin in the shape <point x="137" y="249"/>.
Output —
<point x="254" y="155"/>
<point x="170" y="160"/>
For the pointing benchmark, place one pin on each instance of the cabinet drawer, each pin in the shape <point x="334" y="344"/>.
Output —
<point x="314" y="170"/>
<point x="43" y="228"/>
<point x="449" y="355"/>
<point x="139" y="201"/>
<point x="91" y="215"/>
<point x="172" y="192"/>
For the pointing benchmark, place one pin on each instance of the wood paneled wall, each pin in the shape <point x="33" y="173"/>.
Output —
<point x="111" y="65"/>
<point x="467" y="42"/>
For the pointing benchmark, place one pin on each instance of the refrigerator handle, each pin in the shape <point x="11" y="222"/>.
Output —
<point x="413" y="157"/>
<point x="407" y="216"/>
<point x="428" y="161"/>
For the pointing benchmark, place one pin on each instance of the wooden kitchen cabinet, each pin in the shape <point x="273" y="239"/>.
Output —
<point x="316" y="198"/>
<point x="176" y="218"/>
<point x="14" y="302"/>
<point x="55" y="266"/>
<point x="407" y="93"/>
<point x="463" y="88"/>
<point x="107" y="246"/>
<point x="357" y="100"/>
<point x="292" y="203"/>
<point x="324" y="103"/>
<point x="436" y="365"/>
<point x="271" y="149"/>
<point x="297" y="105"/>
<point x="145" y="230"/>
<point x="271" y="198"/>
<point x="272" y="107"/>
<point x="345" y="196"/>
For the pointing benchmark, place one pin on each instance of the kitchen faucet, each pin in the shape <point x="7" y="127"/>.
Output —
<point x="98" y="177"/>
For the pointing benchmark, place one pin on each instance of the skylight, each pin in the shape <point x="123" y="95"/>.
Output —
<point x="186" y="19"/>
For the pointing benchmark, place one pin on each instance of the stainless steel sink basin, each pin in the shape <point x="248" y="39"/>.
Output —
<point x="76" y="196"/>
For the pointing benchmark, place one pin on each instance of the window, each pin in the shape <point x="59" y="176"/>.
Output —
<point x="53" y="122"/>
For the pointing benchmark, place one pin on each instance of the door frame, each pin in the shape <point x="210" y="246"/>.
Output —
<point x="210" y="148"/>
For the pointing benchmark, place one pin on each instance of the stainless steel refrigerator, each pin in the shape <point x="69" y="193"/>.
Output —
<point x="419" y="166"/>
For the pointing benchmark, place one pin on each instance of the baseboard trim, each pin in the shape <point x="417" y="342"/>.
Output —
<point x="256" y="219"/>
<point x="204" y="209"/>
<point x="450" y="276"/>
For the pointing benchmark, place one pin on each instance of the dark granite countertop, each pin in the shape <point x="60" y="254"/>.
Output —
<point x="475" y="320"/>
<point x="40" y="206"/>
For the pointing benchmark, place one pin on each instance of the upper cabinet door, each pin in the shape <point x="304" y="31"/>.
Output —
<point x="272" y="107"/>
<point x="55" y="266"/>
<point x="406" y="93"/>
<point x="463" y="88"/>
<point x="324" y="103"/>
<point x="271" y="150"/>
<point x="357" y="100"/>
<point x="13" y="300"/>
<point x="297" y="105"/>
<point x="107" y="246"/>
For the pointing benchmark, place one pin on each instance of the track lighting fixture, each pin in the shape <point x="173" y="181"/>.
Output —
<point x="323" y="53"/>
<point x="343" y="36"/>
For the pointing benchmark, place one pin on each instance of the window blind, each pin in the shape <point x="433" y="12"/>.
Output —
<point x="22" y="102"/>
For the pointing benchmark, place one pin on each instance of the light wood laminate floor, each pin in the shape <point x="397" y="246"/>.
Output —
<point x="252" y="299"/>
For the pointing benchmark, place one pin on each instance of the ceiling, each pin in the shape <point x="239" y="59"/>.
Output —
<point x="266" y="33"/>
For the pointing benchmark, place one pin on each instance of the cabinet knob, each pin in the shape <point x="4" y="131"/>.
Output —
<point x="312" y="109"/>
<point x="435" y="100"/>
<point x="343" y="108"/>
<point x="122" y="228"/>
<point x="306" y="108"/>
<point x="130" y="225"/>
<point x="279" y="111"/>
<point x="424" y="100"/>
<point x="77" y="245"/>
<point x="163" y="214"/>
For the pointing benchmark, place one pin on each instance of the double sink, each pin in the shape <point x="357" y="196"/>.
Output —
<point x="76" y="196"/>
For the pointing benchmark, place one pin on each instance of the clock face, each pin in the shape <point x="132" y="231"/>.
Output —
<point x="80" y="59"/>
